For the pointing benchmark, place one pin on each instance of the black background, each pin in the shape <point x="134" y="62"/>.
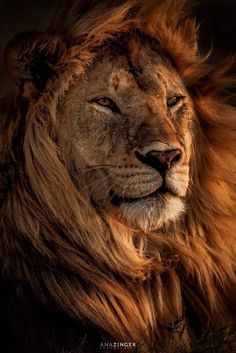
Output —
<point x="217" y="19"/>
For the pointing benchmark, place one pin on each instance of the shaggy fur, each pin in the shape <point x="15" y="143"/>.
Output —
<point x="72" y="275"/>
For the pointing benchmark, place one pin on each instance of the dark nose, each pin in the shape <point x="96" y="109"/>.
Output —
<point x="160" y="160"/>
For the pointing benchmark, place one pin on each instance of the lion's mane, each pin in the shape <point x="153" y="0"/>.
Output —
<point x="74" y="257"/>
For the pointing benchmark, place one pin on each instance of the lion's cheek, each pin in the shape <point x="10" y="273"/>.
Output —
<point x="178" y="181"/>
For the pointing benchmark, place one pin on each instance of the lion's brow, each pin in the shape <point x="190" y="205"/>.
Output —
<point x="137" y="72"/>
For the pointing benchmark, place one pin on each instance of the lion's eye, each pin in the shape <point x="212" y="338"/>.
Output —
<point x="104" y="102"/>
<point x="108" y="103"/>
<point x="173" y="101"/>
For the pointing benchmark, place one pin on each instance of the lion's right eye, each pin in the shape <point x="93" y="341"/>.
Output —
<point x="107" y="103"/>
<point x="173" y="101"/>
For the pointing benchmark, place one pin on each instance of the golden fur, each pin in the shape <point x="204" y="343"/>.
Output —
<point x="132" y="285"/>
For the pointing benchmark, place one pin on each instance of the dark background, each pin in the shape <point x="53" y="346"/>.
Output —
<point x="217" y="18"/>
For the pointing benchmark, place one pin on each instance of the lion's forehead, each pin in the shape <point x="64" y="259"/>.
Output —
<point x="121" y="76"/>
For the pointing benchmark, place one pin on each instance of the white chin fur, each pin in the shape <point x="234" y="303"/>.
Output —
<point x="152" y="214"/>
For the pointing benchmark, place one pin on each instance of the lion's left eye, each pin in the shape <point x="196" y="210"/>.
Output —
<point x="173" y="101"/>
<point x="108" y="103"/>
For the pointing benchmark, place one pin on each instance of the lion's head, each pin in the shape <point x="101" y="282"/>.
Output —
<point x="117" y="147"/>
<point x="128" y="124"/>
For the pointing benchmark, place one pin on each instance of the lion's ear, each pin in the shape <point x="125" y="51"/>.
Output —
<point x="34" y="57"/>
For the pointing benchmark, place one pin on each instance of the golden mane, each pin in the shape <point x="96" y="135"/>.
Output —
<point x="130" y="285"/>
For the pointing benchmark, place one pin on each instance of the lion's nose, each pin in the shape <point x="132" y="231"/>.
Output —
<point x="160" y="160"/>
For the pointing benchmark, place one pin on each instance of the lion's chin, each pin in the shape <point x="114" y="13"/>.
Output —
<point x="152" y="214"/>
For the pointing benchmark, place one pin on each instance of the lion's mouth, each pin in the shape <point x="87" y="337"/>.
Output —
<point x="118" y="200"/>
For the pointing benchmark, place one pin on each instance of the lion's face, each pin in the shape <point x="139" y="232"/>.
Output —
<point x="128" y="128"/>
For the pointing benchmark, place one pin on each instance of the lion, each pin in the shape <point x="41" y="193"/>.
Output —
<point x="117" y="187"/>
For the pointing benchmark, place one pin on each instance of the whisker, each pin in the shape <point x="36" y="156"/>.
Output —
<point x="95" y="167"/>
<point x="84" y="171"/>
<point x="110" y="189"/>
<point x="93" y="183"/>
<point x="127" y="184"/>
<point x="124" y="189"/>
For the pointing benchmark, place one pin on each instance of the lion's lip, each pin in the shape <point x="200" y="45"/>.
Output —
<point x="118" y="200"/>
